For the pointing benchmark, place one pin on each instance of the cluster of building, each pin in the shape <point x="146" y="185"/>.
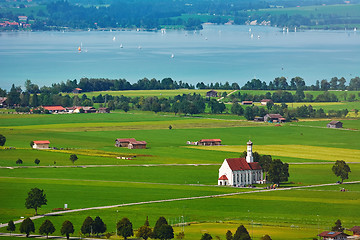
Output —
<point x="130" y="143"/>
<point x="332" y="235"/>
<point x="21" y="23"/>
<point x="206" y="142"/>
<point x="76" y="109"/>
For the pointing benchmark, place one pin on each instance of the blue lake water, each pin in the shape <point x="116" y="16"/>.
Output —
<point x="217" y="53"/>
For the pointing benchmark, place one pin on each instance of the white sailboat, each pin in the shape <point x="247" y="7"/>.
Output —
<point x="355" y="29"/>
<point x="121" y="46"/>
<point x="172" y="55"/>
<point x="114" y="38"/>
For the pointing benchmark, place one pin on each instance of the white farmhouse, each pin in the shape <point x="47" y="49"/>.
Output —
<point x="239" y="172"/>
<point x="41" y="144"/>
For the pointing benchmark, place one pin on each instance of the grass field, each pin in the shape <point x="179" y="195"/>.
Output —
<point x="92" y="136"/>
<point x="297" y="151"/>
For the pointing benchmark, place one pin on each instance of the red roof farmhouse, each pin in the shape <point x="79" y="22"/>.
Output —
<point x="209" y="142"/>
<point x="333" y="235"/>
<point x="42" y="144"/>
<point x="130" y="143"/>
<point x="54" y="109"/>
<point x="239" y="172"/>
<point x="355" y="230"/>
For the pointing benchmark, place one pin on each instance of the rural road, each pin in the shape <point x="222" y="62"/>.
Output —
<point x="176" y="199"/>
<point x="151" y="165"/>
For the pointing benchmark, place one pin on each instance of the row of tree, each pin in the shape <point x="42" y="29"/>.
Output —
<point x="47" y="227"/>
<point x="305" y="111"/>
<point x="162" y="230"/>
<point x="104" y="84"/>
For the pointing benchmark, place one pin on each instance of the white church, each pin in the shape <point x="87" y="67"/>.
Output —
<point x="239" y="172"/>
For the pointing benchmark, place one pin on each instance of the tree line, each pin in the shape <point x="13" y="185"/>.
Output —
<point x="185" y="103"/>
<point x="105" y="84"/>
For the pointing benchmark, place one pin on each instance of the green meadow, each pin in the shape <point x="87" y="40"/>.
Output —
<point x="169" y="169"/>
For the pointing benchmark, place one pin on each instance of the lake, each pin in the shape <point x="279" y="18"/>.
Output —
<point x="217" y="53"/>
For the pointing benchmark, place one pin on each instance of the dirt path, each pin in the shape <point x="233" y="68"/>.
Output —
<point x="128" y="165"/>
<point x="226" y="95"/>
<point x="176" y="199"/>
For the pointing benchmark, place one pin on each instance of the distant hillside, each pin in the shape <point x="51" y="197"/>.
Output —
<point x="156" y="14"/>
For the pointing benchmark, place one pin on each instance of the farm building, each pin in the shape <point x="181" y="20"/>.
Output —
<point x="265" y="101"/>
<point x="89" y="109"/>
<point x="333" y="235"/>
<point x="209" y="142"/>
<point x="54" y="109"/>
<point x="103" y="110"/>
<point x="77" y="90"/>
<point x="130" y="143"/>
<point x="76" y="109"/>
<point x="211" y="93"/>
<point x="240" y="172"/>
<point x="247" y="103"/>
<point x="274" y="118"/>
<point x="335" y="124"/>
<point x="137" y="145"/>
<point x="41" y="144"/>
<point x="123" y="142"/>
<point x="355" y="230"/>
<point x="3" y="101"/>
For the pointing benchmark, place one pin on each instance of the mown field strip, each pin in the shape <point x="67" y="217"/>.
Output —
<point x="186" y="123"/>
<point x="297" y="151"/>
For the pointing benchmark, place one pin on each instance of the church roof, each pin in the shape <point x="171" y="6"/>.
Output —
<point x="223" y="177"/>
<point x="240" y="164"/>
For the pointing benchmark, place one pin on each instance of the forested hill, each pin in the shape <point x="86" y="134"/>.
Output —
<point x="181" y="14"/>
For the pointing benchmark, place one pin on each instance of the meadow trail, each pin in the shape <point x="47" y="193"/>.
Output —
<point x="128" y="165"/>
<point x="177" y="199"/>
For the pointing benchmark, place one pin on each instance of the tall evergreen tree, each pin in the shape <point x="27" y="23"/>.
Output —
<point x="338" y="227"/>
<point x="161" y="221"/>
<point x="241" y="234"/>
<point x="11" y="227"/>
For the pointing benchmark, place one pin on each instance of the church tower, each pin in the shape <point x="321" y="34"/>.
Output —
<point x="249" y="155"/>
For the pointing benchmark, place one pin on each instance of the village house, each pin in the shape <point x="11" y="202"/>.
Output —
<point x="54" y="109"/>
<point x="89" y="109"/>
<point x="22" y="18"/>
<point x="274" y="118"/>
<point x="130" y="143"/>
<point x="211" y="93"/>
<point x="327" y="235"/>
<point x="209" y="142"/>
<point x="77" y="90"/>
<point x="355" y="230"/>
<point x="123" y="142"/>
<point x="3" y="101"/>
<point x="265" y="101"/>
<point x="239" y="172"/>
<point x="103" y="110"/>
<point x="44" y="144"/>
<point x="137" y="145"/>
<point x="247" y="103"/>
<point x="335" y="124"/>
